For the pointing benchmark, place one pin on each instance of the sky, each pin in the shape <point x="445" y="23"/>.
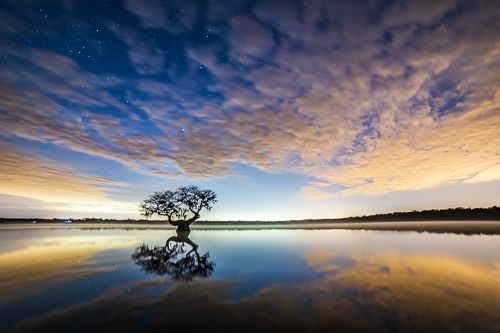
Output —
<point x="286" y="109"/>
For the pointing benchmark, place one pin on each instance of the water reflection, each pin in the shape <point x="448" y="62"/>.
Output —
<point x="53" y="260"/>
<point x="173" y="260"/>
<point x="388" y="293"/>
<point x="266" y="281"/>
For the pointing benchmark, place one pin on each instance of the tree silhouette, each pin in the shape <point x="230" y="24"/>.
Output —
<point x="170" y="259"/>
<point x="176" y="205"/>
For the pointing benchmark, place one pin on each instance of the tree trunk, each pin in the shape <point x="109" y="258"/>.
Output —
<point x="183" y="225"/>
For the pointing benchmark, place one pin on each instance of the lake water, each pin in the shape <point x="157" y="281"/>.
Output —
<point x="71" y="279"/>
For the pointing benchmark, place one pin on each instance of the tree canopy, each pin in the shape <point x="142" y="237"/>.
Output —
<point x="178" y="204"/>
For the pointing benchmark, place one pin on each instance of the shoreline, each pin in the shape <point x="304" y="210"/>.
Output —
<point x="455" y="227"/>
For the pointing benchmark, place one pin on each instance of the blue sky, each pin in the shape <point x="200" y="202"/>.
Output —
<point x="286" y="109"/>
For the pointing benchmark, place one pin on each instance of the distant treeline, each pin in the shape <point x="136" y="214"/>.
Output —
<point x="451" y="214"/>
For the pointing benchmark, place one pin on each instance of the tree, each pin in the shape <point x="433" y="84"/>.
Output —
<point x="178" y="204"/>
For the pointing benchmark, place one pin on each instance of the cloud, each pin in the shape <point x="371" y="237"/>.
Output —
<point x="370" y="99"/>
<point x="251" y="40"/>
<point x="151" y="13"/>
<point x="144" y="55"/>
<point x="174" y="16"/>
<point x="459" y="149"/>
<point x="314" y="191"/>
<point x="57" y="186"/>
<point x="33" y="116"/>
<point x="489" y="174"/>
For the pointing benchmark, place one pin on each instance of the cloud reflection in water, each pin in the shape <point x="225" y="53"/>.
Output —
<point x="53" y="260"/>
<point x="373" y="291"/>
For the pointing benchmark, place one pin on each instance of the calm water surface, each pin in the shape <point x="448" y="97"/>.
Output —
<point x="66" y="278"/>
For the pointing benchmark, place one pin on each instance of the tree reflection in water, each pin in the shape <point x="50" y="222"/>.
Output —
<point x="173" y="260"/>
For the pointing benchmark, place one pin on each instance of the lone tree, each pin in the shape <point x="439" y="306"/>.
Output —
<point x="178" y="204"/>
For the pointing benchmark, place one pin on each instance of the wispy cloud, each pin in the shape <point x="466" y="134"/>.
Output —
<point x="315" y="190"/>
<point x="58" y="187"/>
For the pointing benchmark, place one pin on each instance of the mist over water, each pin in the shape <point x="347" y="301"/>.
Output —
<point x="71" y="278"/>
